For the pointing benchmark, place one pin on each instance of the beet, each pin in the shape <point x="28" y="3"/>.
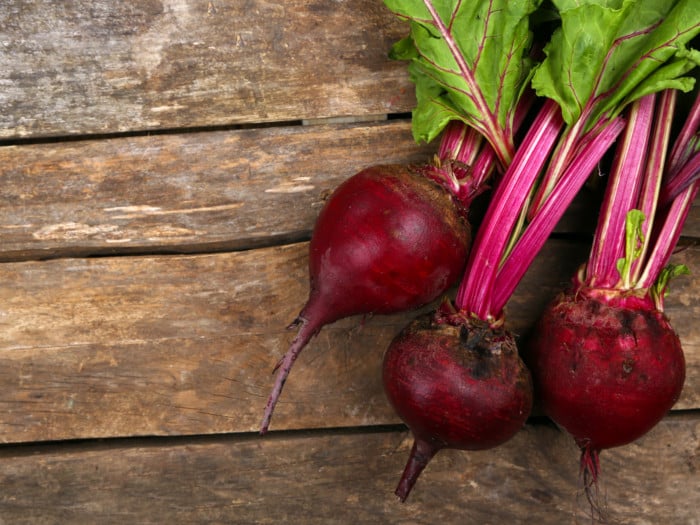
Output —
<point x="457" y="383"/>
<point x="387" y="240"/>
<point x="607" y="367"/>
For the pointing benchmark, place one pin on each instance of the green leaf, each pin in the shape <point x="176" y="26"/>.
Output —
<point x="470" y="61"/>
<point x="634" y="239"/>
<point x="608" y="53"/>
<point x="671" y="271"/>
<point x="433" y="109"/>
<point x="669" y="76"/>
<point x="403" y="50"/>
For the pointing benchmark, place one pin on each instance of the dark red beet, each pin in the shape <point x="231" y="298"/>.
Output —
<point x="456" y="383"/>
<point x="387" y="240"/>
<point x="607" y="367"/>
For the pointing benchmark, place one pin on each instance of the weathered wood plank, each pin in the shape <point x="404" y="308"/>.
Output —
<point x="100" y="67"/>
<point x="184" y="192"/>
<point x="158" y="345"/>
<point x="197" y="192"/>
<point x="170" y="345"/>
<point x="349" y="478"/>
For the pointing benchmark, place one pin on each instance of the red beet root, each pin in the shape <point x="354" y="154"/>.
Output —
<point x="457" y="383"/>
<point x="387" y="240"/>
<point x="607" y="367"/>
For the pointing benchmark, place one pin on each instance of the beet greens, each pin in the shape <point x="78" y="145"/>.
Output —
<point x="533" y="119"/>
<point x="371" y="277"/>
<point x="471" y="62"/>
<point x="607" y="363"/>
<point x="566" y="140"/>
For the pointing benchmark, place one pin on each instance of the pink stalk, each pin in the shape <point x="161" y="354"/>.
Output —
<point x="483" y="167"/>
<point x="538" y="230"/>
<point x="684" y="160"/>
<point x="465" y="160"/>
<point x="684" y="178"/>
<point x="460" y="143"/>
<point x="503" y="212"/>
<point x="642" y="172"/>
<point x="485" y="163"/>
<point x="504" y="248"/>
<point x="464" y="163"/>
<point x="687" y="141"/>
<point x="651" y="186"/>
<point x="622" y="195"/>
<point x="682" y="165"/>
<point x="667" y="239"/>
<point x="573" y="142"/>
<point x="561" y="157"/>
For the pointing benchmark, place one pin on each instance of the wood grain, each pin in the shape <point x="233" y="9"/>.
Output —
<point x="349" y="477"/>
<point x="96" y="66"/>
<point x="183" y="192"/>
<point x="169" y="345"/>
<point x="198" y="192"/>
<point x="133" y="382"/>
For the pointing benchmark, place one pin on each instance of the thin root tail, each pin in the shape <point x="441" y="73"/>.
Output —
<point x="306" y="331"/>
<point x="590" y="471"/>
<point x="421" y="454"/>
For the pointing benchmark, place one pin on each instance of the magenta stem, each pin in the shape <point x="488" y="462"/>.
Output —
<point x="474" y="293"/>
<point x="667" y="238"/>
<point x="654" y="170"/>
<point x="460" y="143"/>
<point x="684" y="178"/>
<point x="482" y="169"/>
<point x="621" y="195"/>
<point x="464" y="162"/>
<point x="563" y="153"/>
<point x="683" y="166"/>
<point x="538" y="230"/>
<point x="687" y="141"/>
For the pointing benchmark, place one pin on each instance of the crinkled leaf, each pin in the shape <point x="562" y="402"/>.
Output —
<point x="471" y="63"/>
<point x="403" y="50"/>
<point x="434" y="109"/>
<point x="608" y="53"/>
<point x="670" y="271"/>
<point x="669" y="76"/>
<point x="634" y="238"/>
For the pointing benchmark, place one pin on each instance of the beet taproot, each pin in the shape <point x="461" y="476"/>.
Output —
<point x="387" y="240"/>
<point x="607" y="367"/>
<point x="457" y="383"/>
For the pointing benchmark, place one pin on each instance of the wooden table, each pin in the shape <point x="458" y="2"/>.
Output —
<point x="161" y="167"/>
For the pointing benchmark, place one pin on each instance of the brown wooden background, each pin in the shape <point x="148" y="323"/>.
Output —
<point x="161" y="166"/>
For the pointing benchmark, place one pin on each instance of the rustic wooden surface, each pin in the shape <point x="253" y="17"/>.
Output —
<point x="196" y="192"/>
<point x="119" y="346"/>
<point x="161" y="166"/>
<point x="92" y="66"/>
<point x="183" y="192"/>
<point x="345" y="477"/>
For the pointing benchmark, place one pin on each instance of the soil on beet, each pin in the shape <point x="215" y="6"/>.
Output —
<point x="606" y="372"/>
<point x="460" y="386"/>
